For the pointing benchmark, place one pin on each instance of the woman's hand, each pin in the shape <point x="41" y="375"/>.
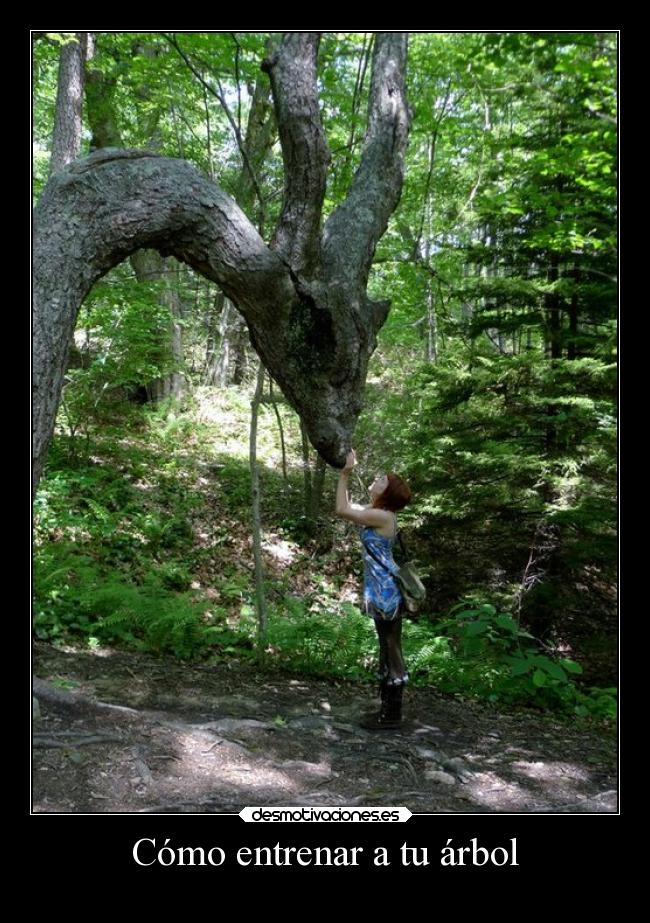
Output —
<point x="350" y="462"/>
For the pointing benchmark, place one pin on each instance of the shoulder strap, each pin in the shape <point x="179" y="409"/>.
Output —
<point x="373" y="555"/>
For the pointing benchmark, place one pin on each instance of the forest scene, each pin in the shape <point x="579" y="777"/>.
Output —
<point x="255" y="254"/>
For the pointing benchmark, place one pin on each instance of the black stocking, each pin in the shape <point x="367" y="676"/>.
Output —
<point x="384" y="669"/>
<point x="390" y="650"/>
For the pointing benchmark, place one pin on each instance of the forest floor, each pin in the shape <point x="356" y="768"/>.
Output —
<point x="123" y="732"/>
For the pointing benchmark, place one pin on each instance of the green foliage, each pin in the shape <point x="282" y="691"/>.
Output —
<point x="335" y="643"/>
<point x="174" y="577"/>
<point x="478" y="652"/>
<point x="74" y="596"/>
<point x="502" y="662"/>
<point x="493" y="389"/>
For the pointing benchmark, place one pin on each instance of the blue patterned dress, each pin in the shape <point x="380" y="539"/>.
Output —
<point x="382" y="598"/>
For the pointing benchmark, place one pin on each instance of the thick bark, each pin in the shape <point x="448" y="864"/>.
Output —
<point x="314" y="333"/>
<point x="66" y="139"/>
<point x="292" y="70"/>
<point x="99" y="211"/>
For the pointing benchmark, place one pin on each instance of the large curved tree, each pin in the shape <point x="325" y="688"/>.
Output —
<point x="303" y="296"/>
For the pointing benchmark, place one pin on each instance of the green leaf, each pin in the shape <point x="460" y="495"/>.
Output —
<point x="519" y="666"/>
<point x="556" y="671"/>
<point x="571" y="666"/>
<point x="507" y="622"/>
<point x="477" y="628"/>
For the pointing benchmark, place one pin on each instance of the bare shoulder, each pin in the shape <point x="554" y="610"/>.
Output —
<point x="389" y="530"/>
<point x="378" y="519"/>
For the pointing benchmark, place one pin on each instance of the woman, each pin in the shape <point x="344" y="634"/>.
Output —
<point x="382" y="599"/>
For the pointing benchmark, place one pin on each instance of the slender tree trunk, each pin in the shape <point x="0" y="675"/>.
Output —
<point x="213" y="343"/>
<point x="432" y="326"/>
<point x="574" y="307"/>
<point x="306" y="468"/>
<point x="240" y="355"/>
<point x="260" y="599"/>
<point x="553" y="307"/>
<point x="280" y="429"/>
<point x="149" y="266"/>
<point x="431" y="323"/>
<point x="490" y="271"/>
<point x="467" y="309"/>
<point x="66" y="139"/>
<point x="364" y="58"/>
<point x="227" y="359"/>
<point x="317" y="488"/>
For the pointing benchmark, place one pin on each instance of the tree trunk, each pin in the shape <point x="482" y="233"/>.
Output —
<point x="149" y="266"/>
<point x="431" y="322"/>
<point x="260" y="598"/>
<point x="317" y="487"/>
<point x="574" y="308"/>
<point x="278" y="417"/>
<point x="306" y="468"/>
<point x="99" y="89"/>
<point x="213" y="343"/>
<point x="553" y="307"/>
<point x="490" y="270"/>
<point x="66" y="139"/>
<point x="226" y="359"/>
<point x="174" y="384"/>
<point x="240" y="355"/>
<point x="304" y="298"/>
<point x="226" y="349"/>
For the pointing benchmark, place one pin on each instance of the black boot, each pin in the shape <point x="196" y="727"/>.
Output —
<point x="390" y="713"/>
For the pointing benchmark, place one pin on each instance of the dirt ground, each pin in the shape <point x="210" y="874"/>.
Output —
<point x="130" y="733"/>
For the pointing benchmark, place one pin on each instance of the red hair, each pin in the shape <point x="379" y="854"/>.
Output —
<point x="396" y="495"/>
